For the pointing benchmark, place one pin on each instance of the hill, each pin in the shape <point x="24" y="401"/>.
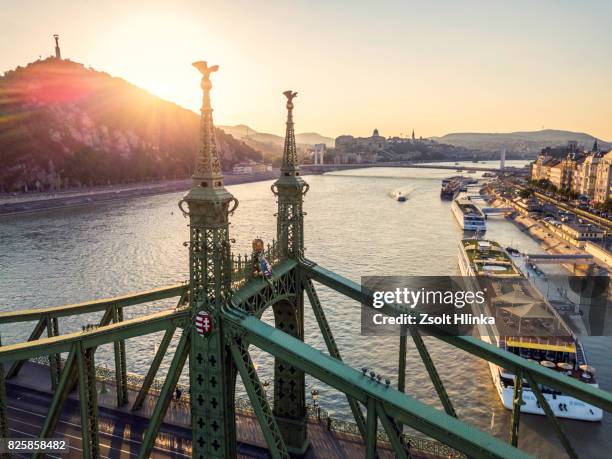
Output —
<point x="530" y="142"/>
<point x="62" y="124"/>
<point x="272" y="144"/>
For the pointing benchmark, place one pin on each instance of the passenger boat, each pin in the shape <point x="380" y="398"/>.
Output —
<point x="450" y="187"/>
<point x="526" y="325"/>
<point x="469" y="216"/>
<point x="399" y="196"/>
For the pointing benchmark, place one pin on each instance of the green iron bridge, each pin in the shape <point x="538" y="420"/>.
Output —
<point x="225" y="287"/>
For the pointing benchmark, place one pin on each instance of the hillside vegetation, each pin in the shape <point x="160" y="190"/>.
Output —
<point x="62" y="124"/>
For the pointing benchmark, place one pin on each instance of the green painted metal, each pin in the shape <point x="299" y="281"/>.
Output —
<point x="397" y="405"/>
<point x="332" y="348"/>
<point x="36" y="333"/>
<point x="4" y="426"/>
<point x="165" y="395"/>
<point x="212" y="372"/>
<point x="289" y="382"/>
<point x="55" y="361"/>
<point x="433" y="373"/>
<point x="390" y="427"/>
<point x="475" y="346"/>
<point x="60" y="395"/>
<point x="551" y="416"/>
<point x="258" y="398"/>
<point x="123" y="330"/>
<point x="401" y="367"/>
<point x="88" y="402"/>
<point x="371" y="428"/>
<point x="120" y="361"/>
<point x="517" y="402"/>
<point x="29" y="315"/>
<point x="157" y="360"/>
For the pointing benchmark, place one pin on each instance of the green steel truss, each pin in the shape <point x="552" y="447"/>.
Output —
<point x="236" y="300"/>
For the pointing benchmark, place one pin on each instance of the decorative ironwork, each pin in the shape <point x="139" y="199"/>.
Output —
<point x="208" y="166"/>
<point x="212" y="371"/>
<point x="242" y="265"/>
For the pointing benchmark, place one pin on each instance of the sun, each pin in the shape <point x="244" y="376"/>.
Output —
<point x="154" y="50"/>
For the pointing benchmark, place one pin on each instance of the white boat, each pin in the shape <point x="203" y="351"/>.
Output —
<point x="469" y="216"/>
<point x="515" y="302"/>
<point x="399" y="196"/>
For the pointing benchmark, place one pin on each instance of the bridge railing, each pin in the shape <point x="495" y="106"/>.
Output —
<point x="243" y="265"/>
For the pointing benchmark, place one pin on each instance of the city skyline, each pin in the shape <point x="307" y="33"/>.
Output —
<point x="448" y="67"/>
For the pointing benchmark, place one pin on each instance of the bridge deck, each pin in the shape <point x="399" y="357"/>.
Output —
<point x="29" y="395"/>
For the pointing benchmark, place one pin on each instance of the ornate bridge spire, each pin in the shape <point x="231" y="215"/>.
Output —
<point x="208" y="167"/>
<point x="211" y="372"/>
<point x="290" y="165"/>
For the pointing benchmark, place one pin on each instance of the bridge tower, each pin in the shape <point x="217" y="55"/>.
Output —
<point x="212" y="372"/>
<point x="289" y="386"/>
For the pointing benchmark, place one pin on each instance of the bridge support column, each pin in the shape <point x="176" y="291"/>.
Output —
<point x="88" y="399"/>
<point x="120" y="362"/>
<point x="55" y="361"/>
<point x="212" y="373"/>
<point x="289" y="385"/>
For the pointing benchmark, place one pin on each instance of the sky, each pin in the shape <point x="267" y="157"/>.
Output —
<point x="436" y="66"/>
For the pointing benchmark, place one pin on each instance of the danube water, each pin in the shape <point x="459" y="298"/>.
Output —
<point x="352" y="226"/>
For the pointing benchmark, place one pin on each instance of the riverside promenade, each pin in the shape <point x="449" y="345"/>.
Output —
<point x="34" y="201"/>
<point x="121" y="430"/>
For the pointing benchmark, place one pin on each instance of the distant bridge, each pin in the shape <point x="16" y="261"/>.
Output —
<point x="322" y="168"/>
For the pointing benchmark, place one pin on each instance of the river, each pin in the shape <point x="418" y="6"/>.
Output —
<point x="352" y="226"/>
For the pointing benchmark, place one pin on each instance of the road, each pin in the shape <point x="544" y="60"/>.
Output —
<point x="27" y="410"/>
<point x="591" y="218"/>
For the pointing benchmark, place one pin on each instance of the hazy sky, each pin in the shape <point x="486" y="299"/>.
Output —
<point x="437" y="66"/>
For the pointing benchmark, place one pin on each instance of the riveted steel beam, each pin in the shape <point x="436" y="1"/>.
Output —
<point x="399" y="448"/>
<point x="120" y="361"/>
<point x="371" y="428"/>
<point x="35" y="335"/>
<point x="159" y="356"/>
<point x="88" y="401"/>
<point x="28" y="315"/>
<point x="551" y="416"/>
<point x="259" y="401"/>
<point x="332" y="348"/>
<point x="433" y="373"/>
<point x="55" y="361"/>
<point x="517" y="402"/>
<point x="60" y="395"/>
<point x="165" y="395"/>
<point x="123" y="330"/>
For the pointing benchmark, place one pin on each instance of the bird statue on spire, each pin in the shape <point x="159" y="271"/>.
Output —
<point x="290" y="95"/>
